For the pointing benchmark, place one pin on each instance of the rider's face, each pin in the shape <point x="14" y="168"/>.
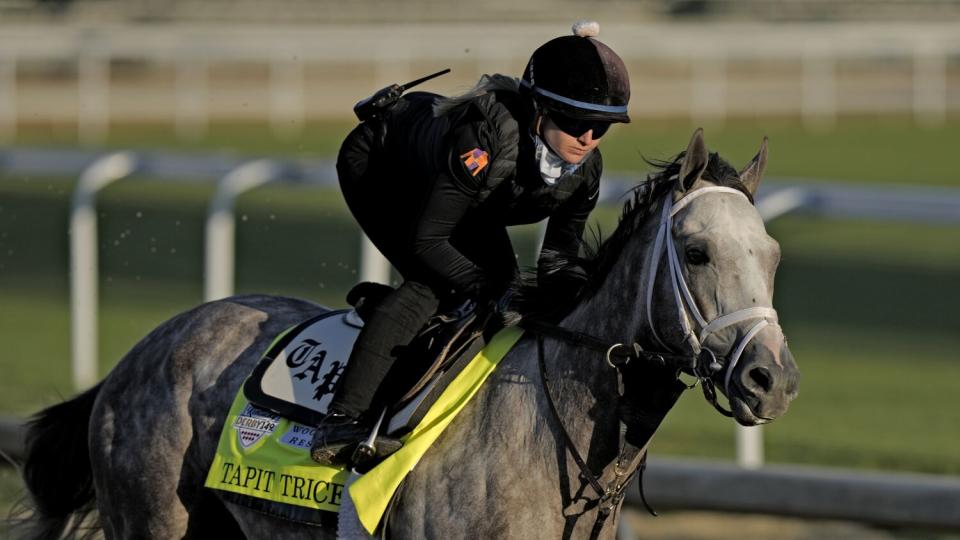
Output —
<point x="570" y="148"/>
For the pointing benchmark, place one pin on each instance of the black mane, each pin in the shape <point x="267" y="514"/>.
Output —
<point x="572" y="280"/>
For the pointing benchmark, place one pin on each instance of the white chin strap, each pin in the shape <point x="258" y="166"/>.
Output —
<point x="686" y="306"/>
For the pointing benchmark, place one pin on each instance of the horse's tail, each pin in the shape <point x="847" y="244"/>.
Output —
<point x="57" y="469"/>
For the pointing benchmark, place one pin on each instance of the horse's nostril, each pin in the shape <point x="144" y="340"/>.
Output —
<point x="762" y="378"/>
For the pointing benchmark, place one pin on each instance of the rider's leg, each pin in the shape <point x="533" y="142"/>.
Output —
<point x="395" y="322"/>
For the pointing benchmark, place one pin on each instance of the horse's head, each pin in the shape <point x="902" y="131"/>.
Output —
<point x="711" y="290"/>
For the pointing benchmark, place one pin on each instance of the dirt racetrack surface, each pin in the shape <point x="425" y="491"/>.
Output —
<point x="686" y="525"/>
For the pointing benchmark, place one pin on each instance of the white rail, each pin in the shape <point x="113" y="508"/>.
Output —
<point x="888" y="499"/>
<point x="83" y="262"/>
<point x="219" y="251"/>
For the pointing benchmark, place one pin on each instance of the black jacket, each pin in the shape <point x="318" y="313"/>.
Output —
<point x="476" y="163"/>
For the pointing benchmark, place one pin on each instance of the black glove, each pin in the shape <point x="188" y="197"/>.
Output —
<point x="566" y="281"/>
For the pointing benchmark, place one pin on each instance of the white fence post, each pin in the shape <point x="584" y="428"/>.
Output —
<point x="286" y="96"/>
<point x="8" y="97"/>
<point x="708" y="91"/>
<point x="750" y="446"/>
<point x="191" y="116"/>
<point x="373" y="265"/>
<point x="219" y="252"/>
<point x="781" y="202"/>
<point x="93" y="93"/>
<point x="819" y="105"/>
<point x="929" y="85"/>
<point x="83" y="262"/>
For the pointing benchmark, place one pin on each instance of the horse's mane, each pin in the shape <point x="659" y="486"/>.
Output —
<point x="581" y="277"/>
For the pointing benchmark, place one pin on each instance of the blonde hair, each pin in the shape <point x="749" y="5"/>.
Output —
<point x="486" y="84"/>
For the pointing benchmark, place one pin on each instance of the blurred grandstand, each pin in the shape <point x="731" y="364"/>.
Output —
<point x="97" y="63"/>
<point x="386" y="11"/>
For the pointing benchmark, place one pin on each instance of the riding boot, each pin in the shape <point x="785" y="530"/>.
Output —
<point x="394" y="322"/>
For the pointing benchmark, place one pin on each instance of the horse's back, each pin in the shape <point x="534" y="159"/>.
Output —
<point x="156" y="422"/>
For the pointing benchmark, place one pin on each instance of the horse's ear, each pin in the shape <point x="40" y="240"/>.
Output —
<point x="694" y="161"/>
<point x="751" y="175"/>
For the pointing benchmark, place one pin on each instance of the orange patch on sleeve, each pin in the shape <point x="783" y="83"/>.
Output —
<point x="475" y="160"/>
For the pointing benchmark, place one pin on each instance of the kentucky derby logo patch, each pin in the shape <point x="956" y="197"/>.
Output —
<point x="475" y="160"/>
<point x="253" y="424"/>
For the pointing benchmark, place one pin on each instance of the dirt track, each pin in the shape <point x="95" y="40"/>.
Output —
<point x="677" y="525"/>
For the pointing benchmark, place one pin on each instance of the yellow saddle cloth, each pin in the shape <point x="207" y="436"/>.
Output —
<point x="266" y="457"/>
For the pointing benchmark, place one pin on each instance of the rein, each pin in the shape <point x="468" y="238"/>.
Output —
<point x="702" y="362"/>
<point x="617" y="354"/>
<point x="611" y="495"/>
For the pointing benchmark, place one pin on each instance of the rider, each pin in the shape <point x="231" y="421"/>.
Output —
<point x="435" y="181"/>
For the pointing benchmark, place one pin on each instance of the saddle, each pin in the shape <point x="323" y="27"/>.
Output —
<point x="297" y="376"/>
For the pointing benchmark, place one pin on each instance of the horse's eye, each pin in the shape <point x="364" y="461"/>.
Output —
<point x="697" y="256"/>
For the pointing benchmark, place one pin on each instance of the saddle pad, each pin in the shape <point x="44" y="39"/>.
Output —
<point x="298" y="374"/>
<point x="263" y="460"/>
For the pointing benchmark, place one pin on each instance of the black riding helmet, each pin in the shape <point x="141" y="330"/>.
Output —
<point x="579" y="77"/>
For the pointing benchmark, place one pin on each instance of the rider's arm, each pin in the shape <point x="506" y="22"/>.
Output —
<point x="453" y="193"/>
<point x="564" y="235"/>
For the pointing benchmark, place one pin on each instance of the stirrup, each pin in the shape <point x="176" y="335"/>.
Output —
<point x="344" y="441"/>
<point x="334" y="432"/>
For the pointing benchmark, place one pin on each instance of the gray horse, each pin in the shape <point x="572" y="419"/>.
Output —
<point x="689" y="271"/>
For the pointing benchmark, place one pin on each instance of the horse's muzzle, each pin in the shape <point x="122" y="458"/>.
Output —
<point x="765" y="381"/>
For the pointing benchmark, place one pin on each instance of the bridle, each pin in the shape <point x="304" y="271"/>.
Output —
<point x="687" y="306"/>
<point x="701" y="361"/>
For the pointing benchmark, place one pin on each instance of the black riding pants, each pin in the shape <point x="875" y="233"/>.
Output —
<point x="394" y="321"/>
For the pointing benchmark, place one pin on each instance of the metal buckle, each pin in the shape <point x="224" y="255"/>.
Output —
<point x="713" y="367"/>
<point x="610" y="353"/>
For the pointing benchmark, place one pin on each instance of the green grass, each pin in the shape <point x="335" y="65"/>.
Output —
<point x="869" y="307"/>
<point x="863" y="150"/>
<point x="866" y="401"/>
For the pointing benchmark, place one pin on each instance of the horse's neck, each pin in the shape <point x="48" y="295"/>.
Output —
<point x="615" y="313"/>
<point x="584" y="386"/>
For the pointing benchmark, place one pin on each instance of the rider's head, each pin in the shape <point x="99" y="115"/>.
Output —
<point x="578" y="87"/>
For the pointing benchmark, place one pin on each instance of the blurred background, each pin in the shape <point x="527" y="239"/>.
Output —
<point x="860" y="100"/>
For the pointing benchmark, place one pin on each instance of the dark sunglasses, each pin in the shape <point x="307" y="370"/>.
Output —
<point x="576" y="128"/>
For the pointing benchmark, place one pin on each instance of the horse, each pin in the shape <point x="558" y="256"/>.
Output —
<point x="687" y="274"/>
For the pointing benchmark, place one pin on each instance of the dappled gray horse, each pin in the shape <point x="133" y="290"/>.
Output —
<point x="688" y="273"/>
